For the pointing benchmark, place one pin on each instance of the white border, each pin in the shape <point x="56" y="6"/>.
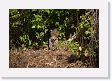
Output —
<point x="102" y="5"/>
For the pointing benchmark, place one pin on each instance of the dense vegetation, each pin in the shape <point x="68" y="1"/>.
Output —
<point x="31" y="27"/>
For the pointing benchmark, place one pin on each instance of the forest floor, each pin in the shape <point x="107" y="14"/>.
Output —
<point x="44" y="58"/>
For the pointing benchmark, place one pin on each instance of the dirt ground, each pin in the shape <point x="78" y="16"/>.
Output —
<point x="44" y="58"/>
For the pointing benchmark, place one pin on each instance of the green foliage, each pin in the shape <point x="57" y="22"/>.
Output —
<point x="30" y="27"/>
<point x="72" y="46"/>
